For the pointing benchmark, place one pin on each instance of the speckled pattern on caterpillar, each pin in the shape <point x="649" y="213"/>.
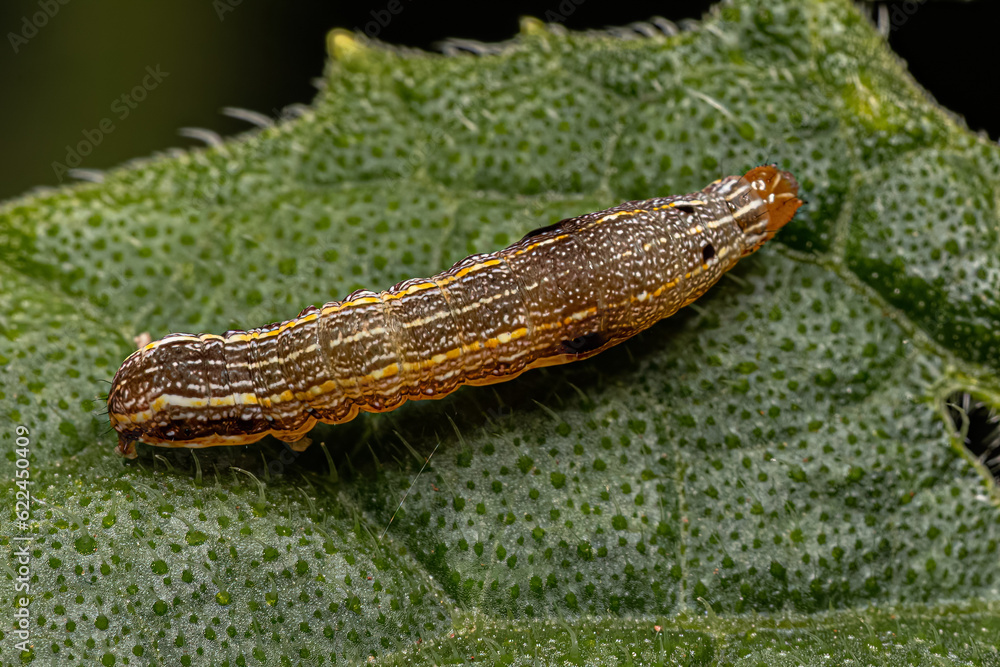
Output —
<point x="562" y="293"/>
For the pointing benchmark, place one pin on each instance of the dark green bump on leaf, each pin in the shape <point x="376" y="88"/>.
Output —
<point x="85" y="545"/>
<point x="826" y="378"/>
<point x="781" y="453"/>
<point x="195" y="537"/>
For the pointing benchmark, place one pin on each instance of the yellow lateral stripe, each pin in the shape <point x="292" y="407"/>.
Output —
<point x="395" y="368"/>
<point x="165" y="400"/>
<point x="580" y="315"/>
<point x="388" y="371"/>
<point x="412" y="289"/>
<point x="420" y="287"/>
<point x="455" y="353"/>
<point x="286" y="325"/>
<point x="683" y="202"/>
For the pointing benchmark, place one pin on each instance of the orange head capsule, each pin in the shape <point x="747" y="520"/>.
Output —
<point x="778" y="191"/>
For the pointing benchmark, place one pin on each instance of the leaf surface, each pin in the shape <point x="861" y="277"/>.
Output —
<point x="766" y="477"/>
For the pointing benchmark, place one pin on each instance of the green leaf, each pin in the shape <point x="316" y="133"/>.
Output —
<point x="767" y="477"/>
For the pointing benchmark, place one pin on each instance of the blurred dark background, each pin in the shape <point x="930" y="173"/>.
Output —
<point x="64" y="63"/>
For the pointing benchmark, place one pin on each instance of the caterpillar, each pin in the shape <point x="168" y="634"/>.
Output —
<point x="562" y="293"/>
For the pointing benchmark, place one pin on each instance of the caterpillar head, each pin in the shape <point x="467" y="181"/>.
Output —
<point x="767" y="200"/>
<point x="158" y="396"/>
<point x="123" y="400"/>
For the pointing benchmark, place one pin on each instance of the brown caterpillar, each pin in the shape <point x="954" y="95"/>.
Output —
<point x="562" y="293"/>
